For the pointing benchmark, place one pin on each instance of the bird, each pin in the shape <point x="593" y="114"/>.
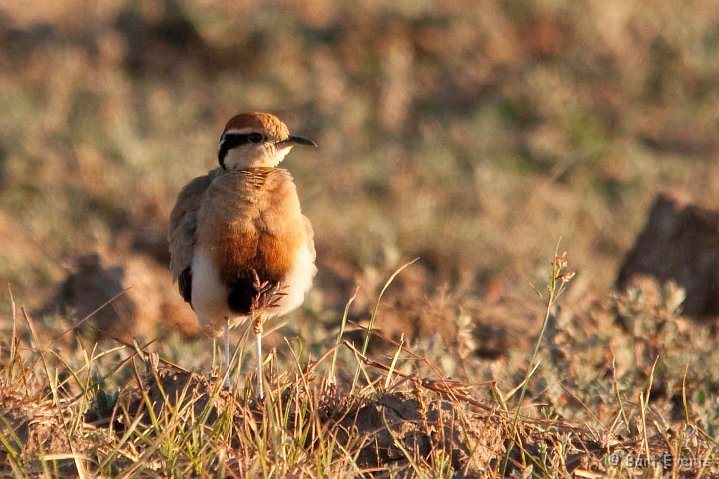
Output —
<point x="240" y="248"/>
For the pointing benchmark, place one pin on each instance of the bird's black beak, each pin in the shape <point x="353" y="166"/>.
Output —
<point x="295" y="140"/>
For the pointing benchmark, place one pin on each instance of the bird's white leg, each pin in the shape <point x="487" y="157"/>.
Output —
<point x="214" y="352"/>
<point x="257" y="327"/>
<point x="227" y="353"/>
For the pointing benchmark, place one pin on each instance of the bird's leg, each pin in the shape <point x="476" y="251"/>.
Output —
<point x="227" y="353"/>
<point x="257" y="327"/>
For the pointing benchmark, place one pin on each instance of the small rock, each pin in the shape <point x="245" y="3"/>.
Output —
<point x="144" y="297"/>
<point x="680" y="242"/>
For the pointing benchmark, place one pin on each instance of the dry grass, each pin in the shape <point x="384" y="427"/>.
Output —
<point x="515" y="125"/>
<point x="128" y="412"/>
<point x="472" y="136"/>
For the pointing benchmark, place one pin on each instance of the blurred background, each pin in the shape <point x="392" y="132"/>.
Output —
<point x="473" y="135"/>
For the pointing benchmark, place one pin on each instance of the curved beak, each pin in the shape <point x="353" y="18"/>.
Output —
<point x="295" y="140"/>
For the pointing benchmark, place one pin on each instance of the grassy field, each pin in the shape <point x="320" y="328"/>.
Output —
<point x="475" y="136"/>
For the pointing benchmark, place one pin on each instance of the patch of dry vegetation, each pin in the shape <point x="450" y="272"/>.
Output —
<point x="637" y="402"/>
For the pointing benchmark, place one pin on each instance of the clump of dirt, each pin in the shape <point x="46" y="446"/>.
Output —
<point x="395" y="424"/>
<point x="680" y="242"/>
<point x="31" y="425"/>
<point x="178" y="390"/>
<point x="389" y="431"/>
<point x="34" y="428"/>
<point x="139" y="296"/>
<point x="391" y="427"/>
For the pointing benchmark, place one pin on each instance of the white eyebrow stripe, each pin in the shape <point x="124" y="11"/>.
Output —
<point x="241" y="131"/>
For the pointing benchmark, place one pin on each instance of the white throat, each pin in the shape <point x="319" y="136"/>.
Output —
<point x="248" y="156"/>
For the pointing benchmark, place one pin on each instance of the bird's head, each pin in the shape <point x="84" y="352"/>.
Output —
<point x="256" y="139"/>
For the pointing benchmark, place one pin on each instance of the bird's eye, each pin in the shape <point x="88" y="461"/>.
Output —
<point x="255" y="138"/>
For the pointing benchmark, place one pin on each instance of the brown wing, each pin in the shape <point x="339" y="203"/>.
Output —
<point x="182" y="234"/>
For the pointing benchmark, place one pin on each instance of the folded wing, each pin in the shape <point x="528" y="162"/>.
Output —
<point x="182" y="233"/>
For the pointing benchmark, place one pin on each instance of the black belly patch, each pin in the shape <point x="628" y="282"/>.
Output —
<point x="243" y="292"/>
